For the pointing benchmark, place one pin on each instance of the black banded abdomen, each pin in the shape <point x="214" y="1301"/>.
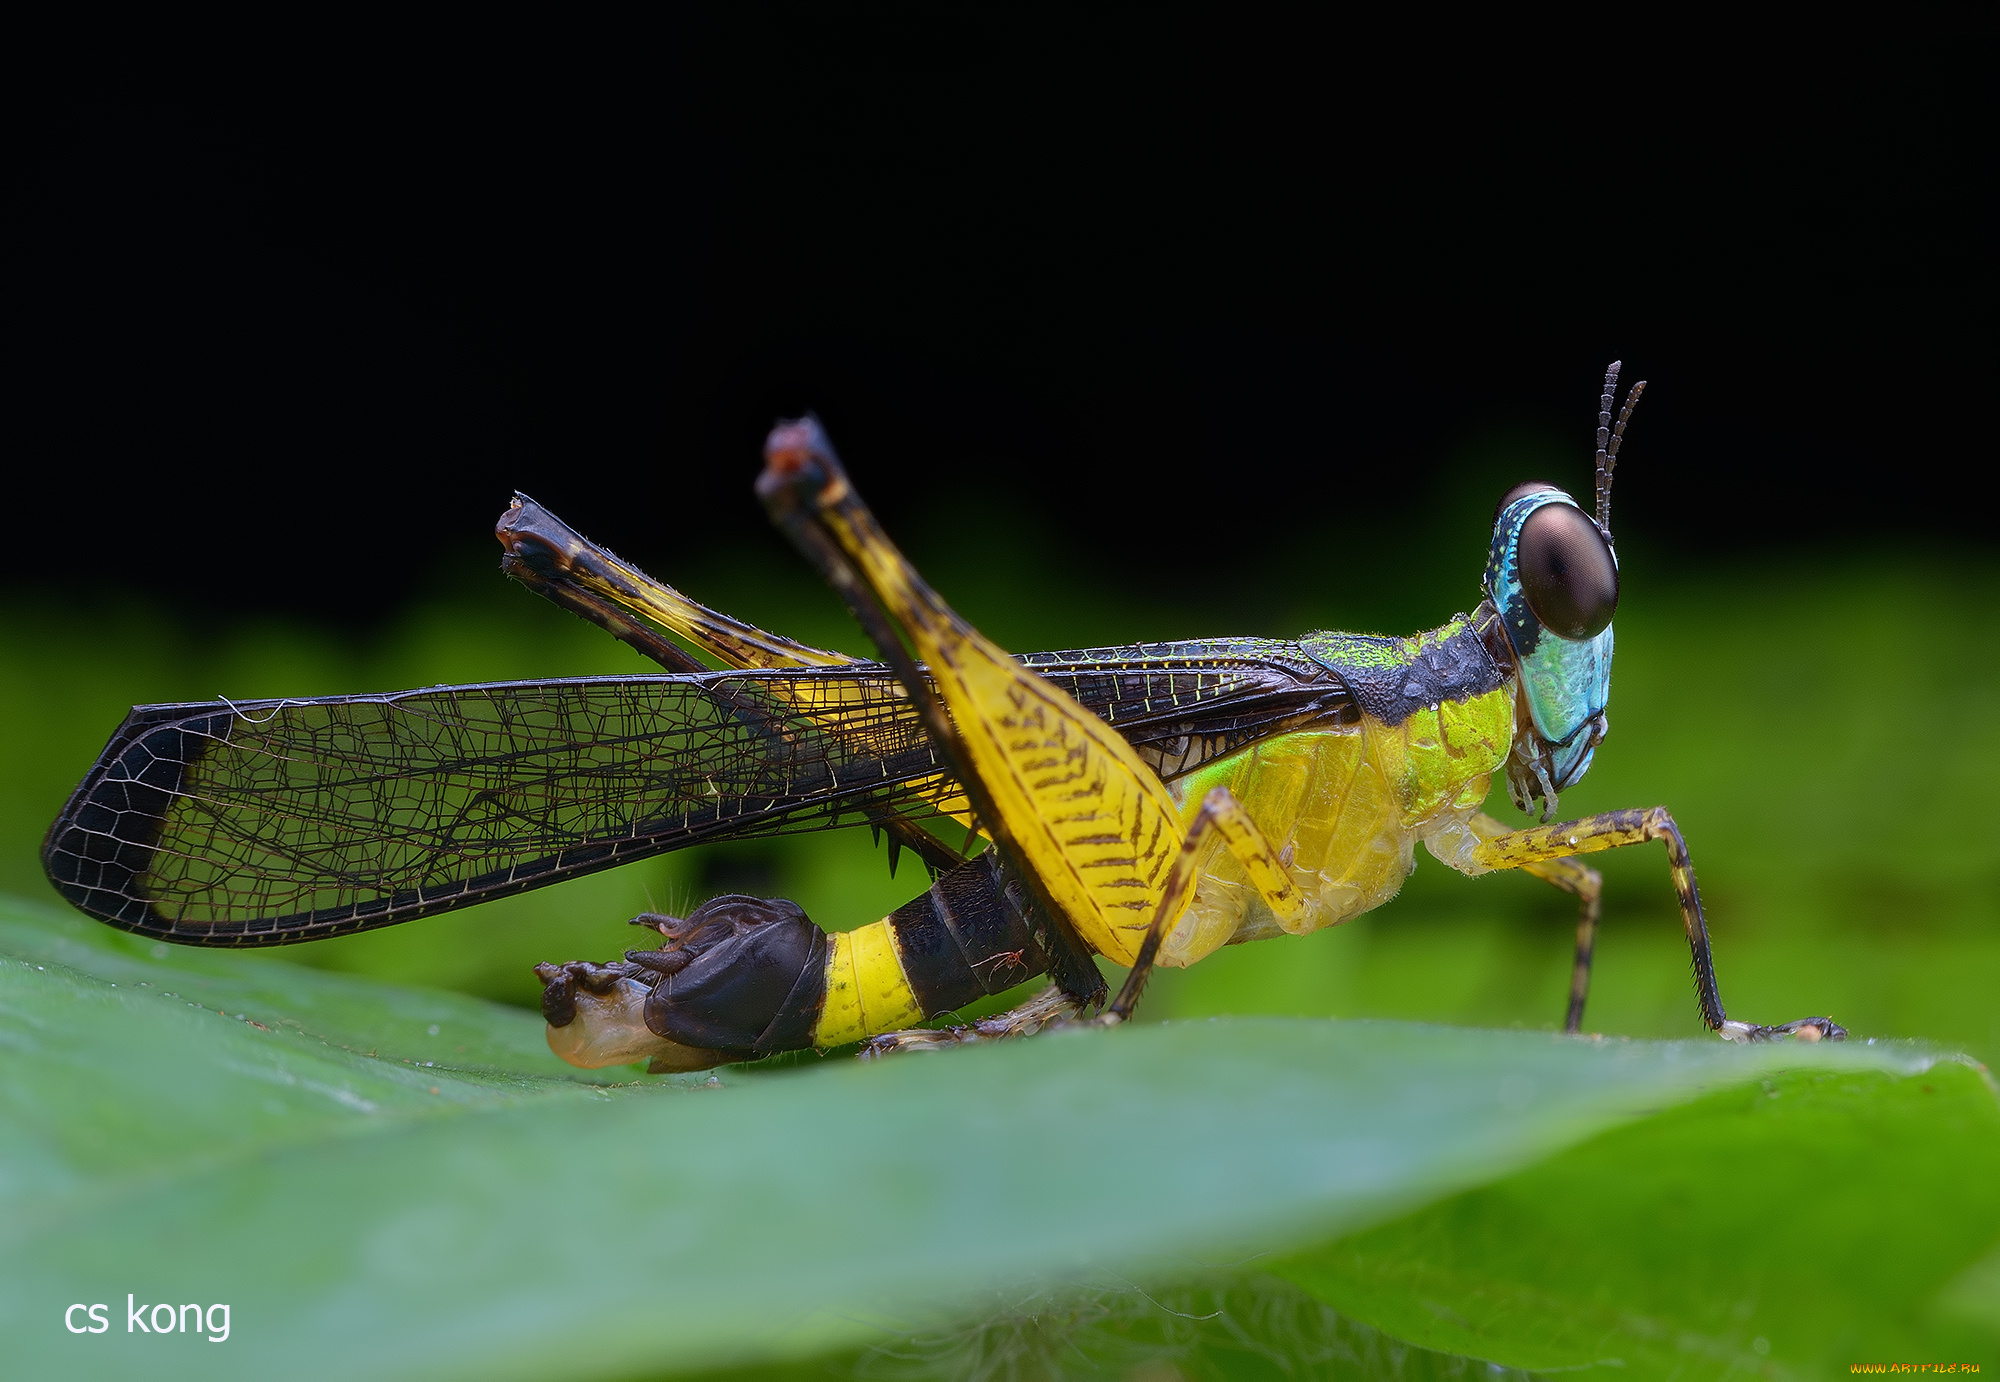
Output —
<point x="773" y="981"/>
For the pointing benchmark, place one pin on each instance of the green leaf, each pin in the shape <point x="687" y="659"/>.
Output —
<point x="1790" y="1227"/>
<point x="370" y="1199"/>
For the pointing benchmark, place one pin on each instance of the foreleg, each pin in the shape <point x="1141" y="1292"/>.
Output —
<point x="1526" y="849"/>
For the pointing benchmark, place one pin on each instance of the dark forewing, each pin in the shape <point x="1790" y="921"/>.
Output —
<point x="267" y="822"/>
<point x="264" y="822"/>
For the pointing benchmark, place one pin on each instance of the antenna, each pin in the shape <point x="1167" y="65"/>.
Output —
<point x="1608" y="440"/>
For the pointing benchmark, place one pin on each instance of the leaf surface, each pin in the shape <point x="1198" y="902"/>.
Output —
<point x="1791" y="1226"/>
<point x="369" y="1198"/>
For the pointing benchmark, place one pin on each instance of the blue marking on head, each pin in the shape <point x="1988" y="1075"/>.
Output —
<point x="1566" y="682"/>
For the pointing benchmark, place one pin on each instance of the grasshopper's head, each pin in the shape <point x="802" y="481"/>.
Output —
<point x="1554" y="582"/>
<point x="1552" y="577"/>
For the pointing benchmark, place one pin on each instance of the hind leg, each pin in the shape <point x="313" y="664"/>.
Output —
<point x="1049" y="1008"/>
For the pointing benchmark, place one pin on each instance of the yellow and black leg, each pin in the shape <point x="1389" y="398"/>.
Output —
<point x="560" y="564"/>
<point x="1583" y="883"/>
<point x="741" y="977"/>
<point x="1010" y="713"/>
<point x="1221" y="813"/>
<point x="1545" y="845"/>
<point x="1587" y="886"/>
<point x="1079" y="818"/>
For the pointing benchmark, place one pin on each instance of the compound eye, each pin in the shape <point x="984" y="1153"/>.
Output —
<point x="1525" y="487"/>
<point x="1567" y="572"/>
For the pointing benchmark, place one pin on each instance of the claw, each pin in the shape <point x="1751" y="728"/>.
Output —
<point x="917" y="1039"/>
<point x="1805" y="1029"/>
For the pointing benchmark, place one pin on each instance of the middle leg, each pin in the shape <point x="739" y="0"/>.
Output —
<point x="1223" y="813"/>
<point x="1586" y="884"/>
<point x="1583" y="883"/>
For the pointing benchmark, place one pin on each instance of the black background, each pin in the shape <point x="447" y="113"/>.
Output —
<point x="282" y="328"/>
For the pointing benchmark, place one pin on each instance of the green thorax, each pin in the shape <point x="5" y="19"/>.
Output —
<point x="1431" y="714"/>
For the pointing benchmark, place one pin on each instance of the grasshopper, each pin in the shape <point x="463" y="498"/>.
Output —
<point x="1148" y="804"/>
